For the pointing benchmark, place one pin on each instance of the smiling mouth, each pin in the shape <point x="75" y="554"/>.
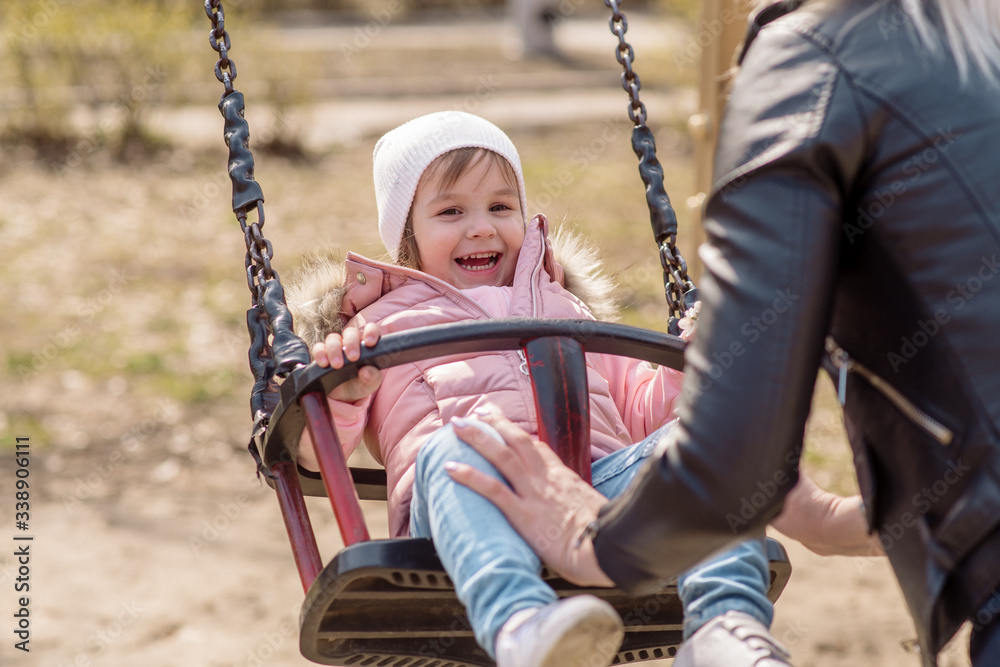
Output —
<point x="480" y="261"/>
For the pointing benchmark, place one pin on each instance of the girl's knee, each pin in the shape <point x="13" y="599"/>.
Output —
<point x="441" y="446"/>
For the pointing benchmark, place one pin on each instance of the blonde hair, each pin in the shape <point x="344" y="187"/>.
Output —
<point x="970" y="29"/>
<point x="451" y="165"/>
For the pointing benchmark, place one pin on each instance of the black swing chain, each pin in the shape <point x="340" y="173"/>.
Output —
<point x="626" y="56"/>
<point x="259" y="249"/>
<point x="217" y="15"/>
<point x="678" y="288"/>
<point x="267" y="318"/>
<point x="268" y="311"/>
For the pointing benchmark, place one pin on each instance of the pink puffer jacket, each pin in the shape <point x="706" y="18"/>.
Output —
<point x="628" y="399"/>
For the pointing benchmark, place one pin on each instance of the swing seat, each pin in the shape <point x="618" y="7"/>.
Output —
<point x="389" y="602"/>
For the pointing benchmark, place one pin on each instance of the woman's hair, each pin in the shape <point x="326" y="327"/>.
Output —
<point x="451" y="166"/>
<point x="970" y="29"/>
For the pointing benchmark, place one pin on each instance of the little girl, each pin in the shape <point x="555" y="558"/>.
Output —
<point x="451" y="206"/>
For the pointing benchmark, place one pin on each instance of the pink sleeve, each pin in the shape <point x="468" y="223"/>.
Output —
<point x="349" y="420"/>
<point x="645" y="396"/>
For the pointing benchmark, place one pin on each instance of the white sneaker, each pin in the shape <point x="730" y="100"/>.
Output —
<point x="735" y="639"/>
<point x="579" y="631"/>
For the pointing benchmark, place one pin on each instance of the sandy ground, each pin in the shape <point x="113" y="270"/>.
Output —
<point x="190" y="566"/>
<point x="152" y="542"/>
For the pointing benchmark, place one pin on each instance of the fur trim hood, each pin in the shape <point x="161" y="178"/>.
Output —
<point x="316" y="291"/>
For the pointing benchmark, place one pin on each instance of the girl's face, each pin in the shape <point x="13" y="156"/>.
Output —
<point x="468" y="233"/>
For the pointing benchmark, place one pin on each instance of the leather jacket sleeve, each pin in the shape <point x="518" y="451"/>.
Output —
<point x="791" y="145"/>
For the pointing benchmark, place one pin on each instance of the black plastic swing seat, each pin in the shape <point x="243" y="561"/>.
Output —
<point x="390" y="603"/>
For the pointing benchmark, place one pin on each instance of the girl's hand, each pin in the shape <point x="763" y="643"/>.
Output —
<point x="549" y="505"/>
<point x="340" y="348"/>
<point x="689" y="323"/>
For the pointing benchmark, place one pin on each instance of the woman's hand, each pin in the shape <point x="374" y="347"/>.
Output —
<point x="825" y="523"/>
<point x="338" y="349"/>
<point x="550" y="506"/>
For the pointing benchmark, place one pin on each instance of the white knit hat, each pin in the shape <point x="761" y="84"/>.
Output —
<point x="402" y="155"/>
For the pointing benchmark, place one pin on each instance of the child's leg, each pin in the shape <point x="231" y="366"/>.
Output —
<point x="737" y="580"/>
<point x="494" y="570"/>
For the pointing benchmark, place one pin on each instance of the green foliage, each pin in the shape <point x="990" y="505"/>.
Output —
<point x="19" y="363"/>
<point x="687" y="9"/>
<point x="19" y="424"/>
<point x="112" y="59"/>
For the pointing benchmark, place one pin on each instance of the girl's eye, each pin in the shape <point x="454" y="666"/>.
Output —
<point x="449" y="211"/>
<point x="500" y="207"/>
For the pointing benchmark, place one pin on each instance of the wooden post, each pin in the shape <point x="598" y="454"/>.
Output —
<point x="720" y="32"/>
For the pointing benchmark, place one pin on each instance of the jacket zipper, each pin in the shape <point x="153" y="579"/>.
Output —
<point x="423" y="277"/>
<point x="846" y="364"/>
<point x="524" y="363"/>
<point x="523" y="366"/>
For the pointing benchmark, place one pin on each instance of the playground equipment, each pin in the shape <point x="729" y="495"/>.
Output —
<point x="389" y="602"/>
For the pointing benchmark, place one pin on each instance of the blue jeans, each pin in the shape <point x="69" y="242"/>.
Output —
<point x="497" y="574"/>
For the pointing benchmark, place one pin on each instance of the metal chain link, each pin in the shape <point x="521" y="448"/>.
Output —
<point x="217" y="15"/>
<point x="258" y="248"/>
<point x="259" y="253"/>
<point x="257" y="261"/>
<point x="675" y="270"/>
<point x="675" y="266"/>
<point x="625" y="56"/>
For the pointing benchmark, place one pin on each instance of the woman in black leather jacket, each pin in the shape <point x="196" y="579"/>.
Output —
<point x="854" y="225"/>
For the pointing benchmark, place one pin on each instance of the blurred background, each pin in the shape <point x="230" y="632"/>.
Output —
<point x="123" y="355"/>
